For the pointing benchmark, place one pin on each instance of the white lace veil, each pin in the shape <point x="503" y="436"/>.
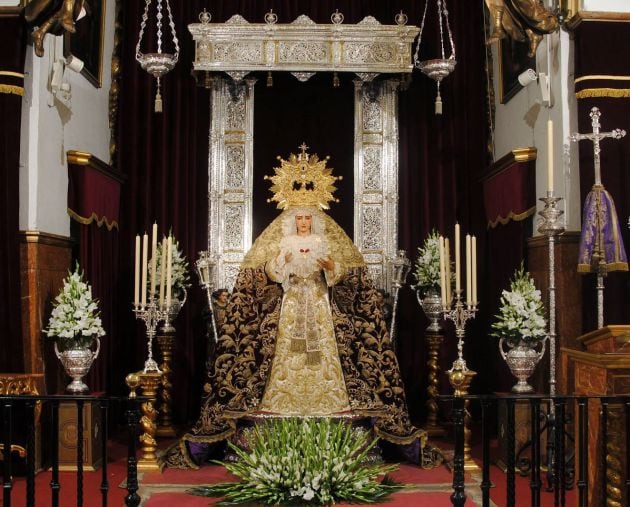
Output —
<point x="317" y="224"/>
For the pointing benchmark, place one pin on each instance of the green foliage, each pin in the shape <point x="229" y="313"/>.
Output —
<point x="312" y="461"/>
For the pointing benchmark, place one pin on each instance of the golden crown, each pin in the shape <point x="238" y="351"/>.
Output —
<point x="303" y="180"/>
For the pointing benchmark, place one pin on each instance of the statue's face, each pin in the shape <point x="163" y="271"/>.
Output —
<point x="303" y="223"/>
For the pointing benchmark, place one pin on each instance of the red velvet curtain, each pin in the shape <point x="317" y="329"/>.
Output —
<point x="94" y="206"/>
<point x="11" y="60"/>
<point x="166" y="157"/>
<point x="593" y="63"/>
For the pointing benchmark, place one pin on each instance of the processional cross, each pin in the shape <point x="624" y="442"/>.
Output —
<point x="602" y="204"/>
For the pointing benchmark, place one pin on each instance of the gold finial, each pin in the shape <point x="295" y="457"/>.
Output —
<point x="303" y="180"/>
<point x="133" y="381"/>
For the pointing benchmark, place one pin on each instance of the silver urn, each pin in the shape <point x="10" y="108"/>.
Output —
<point x="77" y="363"/>
<point x="521" y="359"/>
<point x="177" y="303"/>
<point x="431" y="303"/>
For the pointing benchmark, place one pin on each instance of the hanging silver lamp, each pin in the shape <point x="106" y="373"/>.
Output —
<point x="159" y="63"/>
<point x="437" y="68"/>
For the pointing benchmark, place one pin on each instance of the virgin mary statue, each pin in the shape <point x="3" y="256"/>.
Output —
<point x="304" y="333"/>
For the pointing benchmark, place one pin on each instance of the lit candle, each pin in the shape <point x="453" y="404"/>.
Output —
<point x="474" y="270"/>
<point x="550" y="155"/>
<point x="136" y="287"/>
<point x="468" y="272"/>
<point x="458" y="280"/>
<point x="153" y="258"/>
<point x="169" y="274"/>
<point x="162" y="270"/>
<point x="447" y="254"/>
<point x="442" y="272"/>
<point x="145" y="253"/>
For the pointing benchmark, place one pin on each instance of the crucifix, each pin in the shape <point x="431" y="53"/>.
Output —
<point x="599" y="255"/>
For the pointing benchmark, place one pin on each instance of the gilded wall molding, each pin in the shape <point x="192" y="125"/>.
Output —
<point x="114" y="90"/>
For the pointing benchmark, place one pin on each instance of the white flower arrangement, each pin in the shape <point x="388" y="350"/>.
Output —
<point x="75" y="318"/>
<point x="297" y="461"/>
<point x="427" y="266"/>
<point x="522" y="314"/>
<point x="179" y="269"/>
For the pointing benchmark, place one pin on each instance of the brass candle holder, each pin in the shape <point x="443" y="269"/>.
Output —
<point x="149" y="383"/>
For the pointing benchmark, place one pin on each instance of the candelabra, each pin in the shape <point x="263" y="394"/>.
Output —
<point x="400" y="270"/>
<point x="459" y="375"/>
<point x="151" y="315"/>
<point x="551" y="225"/>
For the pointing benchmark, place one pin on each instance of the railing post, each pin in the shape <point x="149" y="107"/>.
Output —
<point x="7" y="480"/>
<point x="511" y="452"/>
<point x="54" y="450"/>
<point x="104" y="405"/>
<point x="30" y="454"/>
<point x="583" y="451"/>
<point x="535" y="483"/>
<point x="485" y="439"/>
<point x="458" y="498"/>
<point x="133" y="415"/>
<point x="80" y="453"/>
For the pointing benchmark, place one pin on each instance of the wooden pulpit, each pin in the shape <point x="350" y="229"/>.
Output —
<point x="603" y="368"/>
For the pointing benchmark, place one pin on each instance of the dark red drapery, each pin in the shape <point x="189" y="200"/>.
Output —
<point x="11" y="90"/>
<point x="165" y="158"/>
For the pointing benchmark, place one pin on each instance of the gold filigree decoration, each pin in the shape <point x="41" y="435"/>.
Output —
<point x="303" y="180"/>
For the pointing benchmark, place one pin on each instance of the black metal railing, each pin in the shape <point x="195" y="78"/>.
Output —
<point x="564" y="421"/>
<point x="28" y="406"/>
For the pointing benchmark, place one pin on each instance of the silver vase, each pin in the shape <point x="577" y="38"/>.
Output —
<point x="77" y="363"/>
<point x="522" y="359"/>
<point x="431" y="303"/>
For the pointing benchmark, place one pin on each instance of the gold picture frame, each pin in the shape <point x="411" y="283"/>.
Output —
<point x="87" y="42"/>
<point x="513" y="60"/>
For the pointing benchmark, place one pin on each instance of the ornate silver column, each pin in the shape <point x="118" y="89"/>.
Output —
<point x="230" y="178"/>
<point x="376" y="176"/>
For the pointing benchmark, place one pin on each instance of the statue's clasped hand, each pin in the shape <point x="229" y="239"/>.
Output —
<point x="326" y="263"/>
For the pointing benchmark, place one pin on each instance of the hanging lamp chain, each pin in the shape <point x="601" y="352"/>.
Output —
<point x="159" y="17"/>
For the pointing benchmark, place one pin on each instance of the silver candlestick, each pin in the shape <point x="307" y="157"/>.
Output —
<point x="460" y="313"/>
<point x="551" y="224"/>
<point x="400" y="270"/>
<point x="151" y="315"/>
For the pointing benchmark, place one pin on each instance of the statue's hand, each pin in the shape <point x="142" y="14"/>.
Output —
<point x="287" y="257"/>
<point x="326" y="263"/>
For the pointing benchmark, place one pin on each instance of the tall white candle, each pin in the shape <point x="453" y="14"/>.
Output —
<point x="442" y="272"/>
<point x="162" y="270"/>
<point x="474" y="270"/>
<point x="468" y="272"/>
<point x="145" y="253"/>
<point x="136" y="287"/>
<point x="447" y="254"/>
<point x="458" y="280"/>
<point x="550" y="155"/>
<point x="153" y="257"/>
<point x="169" y="271"/>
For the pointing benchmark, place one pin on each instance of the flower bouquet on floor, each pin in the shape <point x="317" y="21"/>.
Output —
<point x="521" y="326"/>
<point x="75" y="324"/>
<point x="304" y="462"/>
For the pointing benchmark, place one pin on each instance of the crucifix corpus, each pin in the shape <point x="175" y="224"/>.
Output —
<point x="601" y="247"/>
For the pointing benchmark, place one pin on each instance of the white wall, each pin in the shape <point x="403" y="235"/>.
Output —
<point x="606" y="5"/>
<point x="50" y="129"/>
<point x="522" y="122"/>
